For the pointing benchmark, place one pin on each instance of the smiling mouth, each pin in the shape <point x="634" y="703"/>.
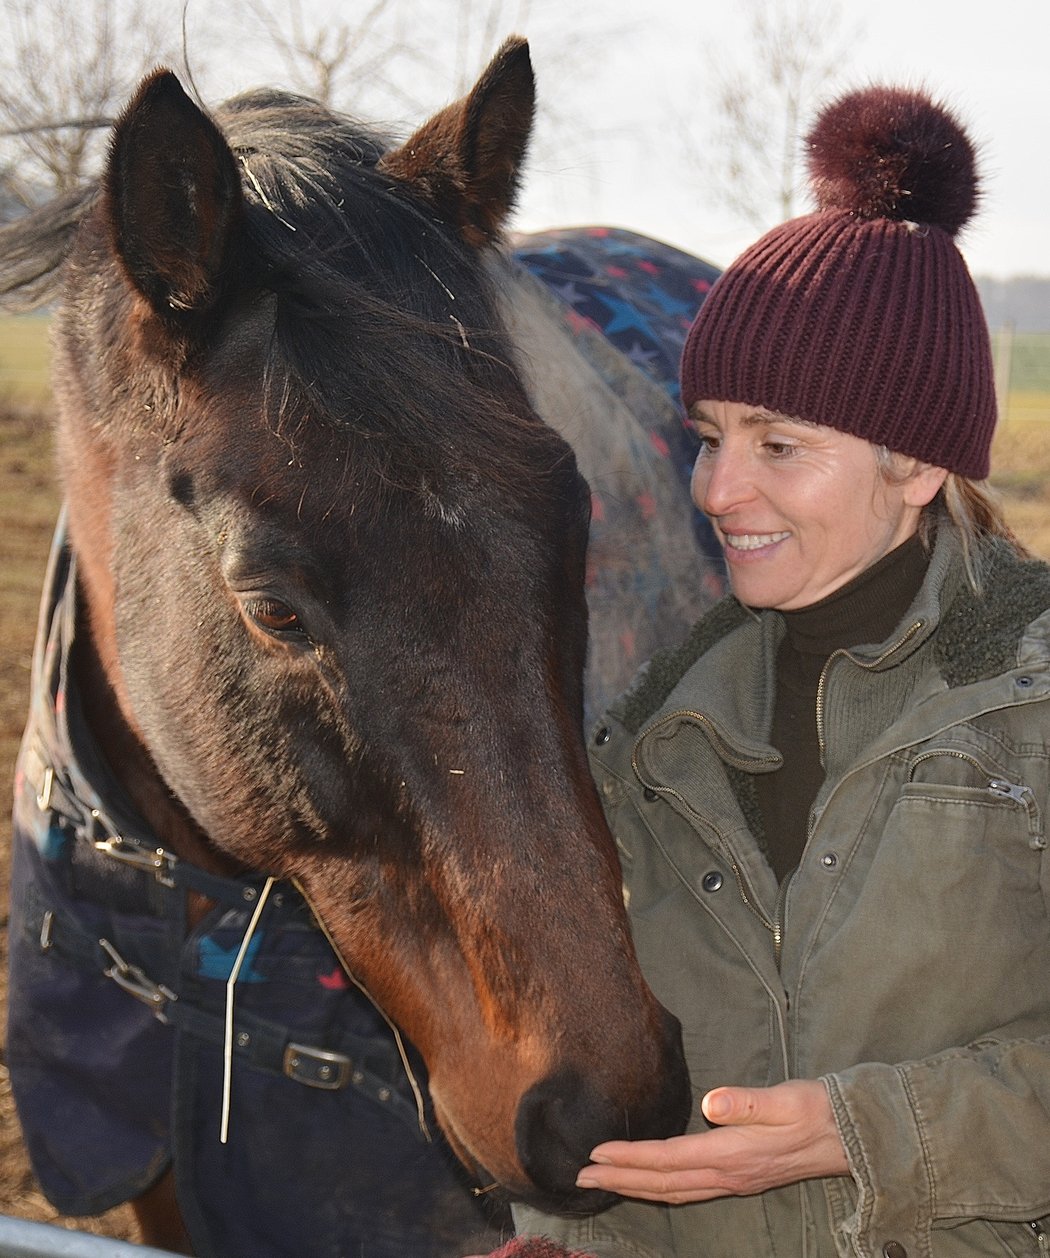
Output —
<point x="753" y="541"/>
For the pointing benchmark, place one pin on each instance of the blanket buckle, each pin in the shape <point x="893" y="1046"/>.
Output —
<point x="316" y="1067"/>
<point x="155" y="861"/>
<point x="136" y="982"/>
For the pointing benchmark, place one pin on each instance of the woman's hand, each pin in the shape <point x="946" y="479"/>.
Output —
<point x="765" y="1137"/>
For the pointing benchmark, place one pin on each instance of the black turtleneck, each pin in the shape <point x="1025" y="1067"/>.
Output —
<point x="865" y="611"/>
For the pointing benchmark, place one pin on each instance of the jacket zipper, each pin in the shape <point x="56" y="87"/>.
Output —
<point x="773" y="924"/>
<point x="908" y="634"/>
<point x="779" y="917"/>
<point x="1018" y="792"/>
<point x="747" y="895"/>
<point x="949" y="751"/>
<point x="1021" y="794"/>
<point x="777" y="925"/>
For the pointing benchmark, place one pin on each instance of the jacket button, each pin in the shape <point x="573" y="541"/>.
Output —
<point x="894" y="1249"/>
<point x="829" y="860"/>
<point x="711" y="881"/>
<point x="1024" y="682"/>
<point x="602" y="736"/>
<point x="650" y="794"/>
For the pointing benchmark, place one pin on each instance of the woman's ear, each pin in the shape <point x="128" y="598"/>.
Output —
<point x="922" y="483"/>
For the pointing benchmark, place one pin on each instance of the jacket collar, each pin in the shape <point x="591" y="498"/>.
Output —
<point x="724" y="669"/>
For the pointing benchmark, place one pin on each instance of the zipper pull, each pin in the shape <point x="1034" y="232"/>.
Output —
<point x="1010" y="790"/>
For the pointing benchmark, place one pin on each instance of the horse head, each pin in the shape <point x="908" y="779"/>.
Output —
<point x="333" y="570"/>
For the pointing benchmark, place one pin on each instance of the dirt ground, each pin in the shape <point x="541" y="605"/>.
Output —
<point x="28" y="505"/>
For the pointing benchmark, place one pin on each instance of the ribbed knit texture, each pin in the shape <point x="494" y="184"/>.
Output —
<point x="856" y="316"/>
<point x="873" y="328"/>
<point x="864" y="611"/>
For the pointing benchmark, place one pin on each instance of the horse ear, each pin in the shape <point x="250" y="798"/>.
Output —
<point x="467" y="159"/>
<point x="173" y="195"/>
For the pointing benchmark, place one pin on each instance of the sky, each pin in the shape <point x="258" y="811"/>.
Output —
<point x="622" y="95"/>
<point x="988" y="60"/>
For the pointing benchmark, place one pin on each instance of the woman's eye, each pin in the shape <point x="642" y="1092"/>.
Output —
<point x="273" y="615"/>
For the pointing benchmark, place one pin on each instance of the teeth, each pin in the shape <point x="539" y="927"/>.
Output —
<point x="752" y="541"/>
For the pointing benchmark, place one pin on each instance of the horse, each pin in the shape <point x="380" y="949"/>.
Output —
<point x="309" y="695"/>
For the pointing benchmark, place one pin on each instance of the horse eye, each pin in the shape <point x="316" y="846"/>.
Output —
<point x="273" y="615"/>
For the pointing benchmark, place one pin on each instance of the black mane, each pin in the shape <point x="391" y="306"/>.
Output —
<point x="384" y="314"/>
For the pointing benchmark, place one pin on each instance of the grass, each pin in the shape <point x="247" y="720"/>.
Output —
<point x="1029" y="360"/>
<point x="24" y="358"/>
<point x="28" y="505"/>
<point x="1021" y="472"/>
<point x="1027" y="406"/>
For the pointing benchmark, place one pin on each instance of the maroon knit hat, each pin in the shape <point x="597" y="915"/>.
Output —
<point x="863" y="316"/>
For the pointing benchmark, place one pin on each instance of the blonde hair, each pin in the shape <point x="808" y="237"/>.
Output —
<point x="972" y="506"/>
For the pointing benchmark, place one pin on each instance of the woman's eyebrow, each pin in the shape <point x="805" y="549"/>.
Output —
<point x="762" y="416"/>
<point x="758" y="417"/>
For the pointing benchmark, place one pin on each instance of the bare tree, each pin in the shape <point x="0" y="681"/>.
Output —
<point x="396" y="60"/>
<point x="795" y="51"/>
<point x="325" y="56"/>
<point x="400" y="53"/>
<point x="66" y="66"/>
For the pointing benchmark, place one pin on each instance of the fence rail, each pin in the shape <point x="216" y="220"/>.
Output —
<point x="20" y="1238"/>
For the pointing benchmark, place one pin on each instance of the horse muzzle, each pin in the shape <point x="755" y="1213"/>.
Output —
<point x="565" y="1115"/>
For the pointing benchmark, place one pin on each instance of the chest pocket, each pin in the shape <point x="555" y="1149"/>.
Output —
<point x="971" y="827"/>
<point x="983" y="797"/>
<point x="937" y="926"/>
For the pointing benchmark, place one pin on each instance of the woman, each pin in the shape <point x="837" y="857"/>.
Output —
<point x="831" y="800"/>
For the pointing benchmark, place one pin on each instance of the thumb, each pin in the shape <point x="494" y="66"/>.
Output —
<point x="737" y="1106"/>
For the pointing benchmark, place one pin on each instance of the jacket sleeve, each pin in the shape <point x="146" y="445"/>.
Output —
<point x="934" y="1143"/>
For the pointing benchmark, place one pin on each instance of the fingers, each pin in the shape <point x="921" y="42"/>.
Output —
<point x="674" y="1170"/>
<point x="784" y="1104"/>
<point x="653" y="1173"/>
<point x="725" y="1105"/>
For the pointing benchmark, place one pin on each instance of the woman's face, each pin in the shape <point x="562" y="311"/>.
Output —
<point x="800" y="509"/>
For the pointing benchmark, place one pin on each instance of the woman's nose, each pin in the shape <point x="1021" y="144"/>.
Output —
<point x="720" y="481"/>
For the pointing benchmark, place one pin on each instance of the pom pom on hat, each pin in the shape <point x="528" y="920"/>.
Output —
<point x="862" y="316"/>
<point x="892" y="153"/>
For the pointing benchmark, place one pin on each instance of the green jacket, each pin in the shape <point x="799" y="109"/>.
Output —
<point x="907" y="960"/>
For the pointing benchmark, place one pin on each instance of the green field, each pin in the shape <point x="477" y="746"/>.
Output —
<point x="1029" y="362"/>
<point x="24" y="359"/>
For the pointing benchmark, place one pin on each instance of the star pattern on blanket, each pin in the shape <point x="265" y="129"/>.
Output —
<point x="642" y="296"/>
<point x="639" y="293"/>
<point x="216" y="962"/>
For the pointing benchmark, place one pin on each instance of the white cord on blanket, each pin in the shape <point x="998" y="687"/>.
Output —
<point x="413" y="1082"/>
<point x="227" y="1060"/>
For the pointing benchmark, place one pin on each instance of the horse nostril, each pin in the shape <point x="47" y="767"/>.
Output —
<point x="561" y="1119"/>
